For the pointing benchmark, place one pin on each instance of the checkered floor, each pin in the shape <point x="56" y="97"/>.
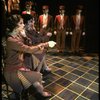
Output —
<point x="72" y="78"/>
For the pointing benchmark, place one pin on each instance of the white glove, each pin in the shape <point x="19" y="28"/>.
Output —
<point x="51" y="44"/>
<point x="55" y="32"/>
<point x="49" y="34"/>
<point x="83" y="33"/>
<point x="66" y="33"/>
<point x="70" y="33"/>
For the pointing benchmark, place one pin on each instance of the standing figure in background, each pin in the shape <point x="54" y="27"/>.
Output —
<point x="29" y="10"/>
<point x="61" y="24"/>
<point x="13" y="7"/>
<point x="45" y="22"/>
<point x="77" y="29"/>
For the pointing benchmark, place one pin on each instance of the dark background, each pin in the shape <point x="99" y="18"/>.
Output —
<point x="91" y="12"/>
